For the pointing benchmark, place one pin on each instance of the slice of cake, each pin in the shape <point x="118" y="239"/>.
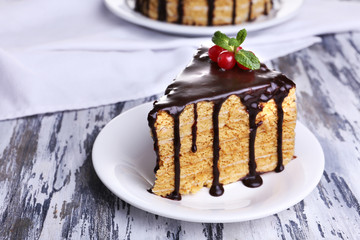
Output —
<point x="216" y="126"/>
<point x="204" y="12"/>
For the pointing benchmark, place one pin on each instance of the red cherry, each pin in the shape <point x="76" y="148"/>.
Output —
<point x="214" y="52"/>
<point x="238" y="48"/>
<point x="241" y="66"/>
<point x="226" y="60"/>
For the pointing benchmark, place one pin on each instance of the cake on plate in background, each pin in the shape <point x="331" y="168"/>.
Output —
<point x="204" y="12"/>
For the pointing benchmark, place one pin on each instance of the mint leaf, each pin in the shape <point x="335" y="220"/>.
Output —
<point x="222" y="40"/>
<point x="243" y="57"/>
<point x="233" y="42"/>
<point x="247" y="59"/>
<point x="241" y="35"/>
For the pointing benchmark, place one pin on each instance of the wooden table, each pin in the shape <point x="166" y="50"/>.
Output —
<point x="49" y="189"/>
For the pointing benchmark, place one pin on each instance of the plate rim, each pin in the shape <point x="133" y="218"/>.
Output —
<point x="147" y="207"/>
<point x="121" y="9"/>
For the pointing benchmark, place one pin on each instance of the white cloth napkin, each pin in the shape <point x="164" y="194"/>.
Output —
<point x="64" y="55"/>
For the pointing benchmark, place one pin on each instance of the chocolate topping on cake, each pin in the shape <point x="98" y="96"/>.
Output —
<point x="203" y="80"/>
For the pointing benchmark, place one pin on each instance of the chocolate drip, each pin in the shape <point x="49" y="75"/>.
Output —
<point x="233" y="12"/>
<point x="216" y="187"/>
<point x="180" y="10"/>
<point x="282" y="92"/>
<point x="266" y="12"/>
<point x="250" y="10"/>
<point x="175" y="112"/>
<point x="194" y="130"/>
<point x="151" y="120"/>
<point x="253" y="108"/>
<point x="211" y="7"/>
<point x="175" y="195"/>
<point x="162" y="15"/>
<point x="280" y="113"/>
<point x="138" y="6"/>
<point x="203" y="80"/>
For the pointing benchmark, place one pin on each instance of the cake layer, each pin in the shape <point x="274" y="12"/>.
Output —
<point x="204" y="12"/>
<point x="196" y="167"/>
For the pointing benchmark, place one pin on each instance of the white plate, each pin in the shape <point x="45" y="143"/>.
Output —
<point x="124" y="159"/>
<point x="283" y="11"/>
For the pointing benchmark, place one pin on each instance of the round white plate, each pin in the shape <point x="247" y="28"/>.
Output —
<point x="282" y="11"/>
<point x="124" y="159"/>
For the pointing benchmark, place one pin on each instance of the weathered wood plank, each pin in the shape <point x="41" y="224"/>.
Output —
<point x="49" y="189"/>
<point x="329" y="106"/>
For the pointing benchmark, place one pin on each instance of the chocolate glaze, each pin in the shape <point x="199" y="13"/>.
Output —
<point x="138" y="6"/>
<point x="194" y="129"/>
<point x="266" y="12"/>
<point x="250" y="10"/>
<point x="162" y="10"/>
<point x="147" y="6"/>
<point x="233" y="12"/>
<point x="177" y="145"/>
<point x="216" y="188"/>
<point x="203" y="80"/>
<point x="252" y="180"/>
<point x="156" y="145"/>
<point x="279" y="100"/>
<point x="211" y="8"/>
<point x="162" y="13"/>
<point x="180" y="9"/>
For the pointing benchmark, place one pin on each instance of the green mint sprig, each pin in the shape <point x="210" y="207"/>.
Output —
<point x="245" y="58"/>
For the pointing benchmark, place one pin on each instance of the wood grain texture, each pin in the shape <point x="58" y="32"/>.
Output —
<point x="49" y="189"/>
